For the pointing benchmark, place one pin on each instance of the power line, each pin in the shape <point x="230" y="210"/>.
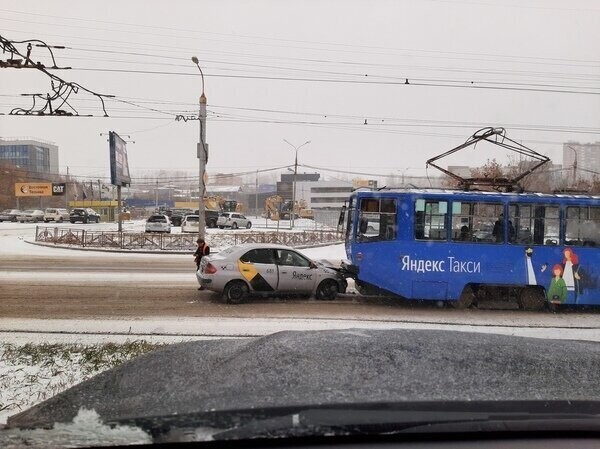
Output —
<point x="352" y="47"/>
<point x="408" y="82"/>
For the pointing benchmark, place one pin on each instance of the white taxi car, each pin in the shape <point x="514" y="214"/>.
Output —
<point x="256" y="268"/>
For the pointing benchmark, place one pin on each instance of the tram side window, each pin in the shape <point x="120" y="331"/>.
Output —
<point x="377" y="220"/>
<point x="583" y="226"/>
<point x="534" y="224"/>
<point x="430" y="220"/>
<point x="474" y="222"/>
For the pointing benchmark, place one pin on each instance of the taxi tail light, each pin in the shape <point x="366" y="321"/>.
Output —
<point x="210" y="268"/>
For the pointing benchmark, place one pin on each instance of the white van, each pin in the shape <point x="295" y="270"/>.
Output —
<point x="57" y="215"/>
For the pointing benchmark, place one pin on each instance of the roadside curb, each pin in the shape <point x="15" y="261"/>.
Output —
<point x="129" y="251"/>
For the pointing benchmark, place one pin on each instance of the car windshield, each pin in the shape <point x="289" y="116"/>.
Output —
<point x="236" y="220"/>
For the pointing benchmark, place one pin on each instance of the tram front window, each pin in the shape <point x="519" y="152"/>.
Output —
<point x="377" y="220"/>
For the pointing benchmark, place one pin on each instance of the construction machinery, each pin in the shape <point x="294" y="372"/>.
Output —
<point x="213" y="202"/>
<point x="222" y="205"/>
<point x="279" y="209"/>
<point x="273" y="207"/>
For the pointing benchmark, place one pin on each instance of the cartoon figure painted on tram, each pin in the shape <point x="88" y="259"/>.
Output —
<point x="557" y="292"/>
<point x="531" y="276"/>
<point x="572" y="274"/>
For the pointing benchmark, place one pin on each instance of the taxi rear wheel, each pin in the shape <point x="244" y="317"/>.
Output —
<point x="328" y="289"/>
<point x="235" y="292"/>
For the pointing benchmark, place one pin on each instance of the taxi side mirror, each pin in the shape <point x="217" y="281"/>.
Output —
<point x="312" y="265"/>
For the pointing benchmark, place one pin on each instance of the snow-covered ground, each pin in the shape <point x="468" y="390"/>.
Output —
<point x="14" y="236"/>
<point x="25" y="380"/>
<point x="32" y="373"/>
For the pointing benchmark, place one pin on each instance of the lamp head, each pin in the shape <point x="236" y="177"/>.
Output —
<point x="194" y="60"/>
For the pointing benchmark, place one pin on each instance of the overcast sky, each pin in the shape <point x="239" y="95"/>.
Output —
<point x="530" y="66"/>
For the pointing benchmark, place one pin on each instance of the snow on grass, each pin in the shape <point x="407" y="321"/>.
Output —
<point x="32" y="373"/>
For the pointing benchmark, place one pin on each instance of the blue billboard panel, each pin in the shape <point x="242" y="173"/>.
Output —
<point x="119" y="166"/>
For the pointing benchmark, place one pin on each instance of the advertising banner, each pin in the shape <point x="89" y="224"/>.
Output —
<point x="58" y="188"/>
<point x="40" y="189"/>
<point x="33" y="189"/>
<point x="119" y="166"/>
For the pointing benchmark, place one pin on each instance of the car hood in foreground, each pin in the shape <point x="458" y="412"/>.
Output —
<point x="331" y="367"/>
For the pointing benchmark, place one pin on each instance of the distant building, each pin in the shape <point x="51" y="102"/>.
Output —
<point x="30" y="154"/>
<point x="324" y="194"/>
<point x="285" y="187"/>
<point x="588" y="158"/>
<point x="224" y="179"/>
<point x="369" y="183"/>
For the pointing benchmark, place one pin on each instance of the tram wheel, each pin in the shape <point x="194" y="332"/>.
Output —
<point x="467" y="297"/>
<point x="532" y="298"/>
<point x="365" y="289"/>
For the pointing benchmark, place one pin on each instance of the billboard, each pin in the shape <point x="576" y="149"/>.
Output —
<point x="358" y="183"/>
<point x="119" y="166"/>
<point x="39" y="189"/>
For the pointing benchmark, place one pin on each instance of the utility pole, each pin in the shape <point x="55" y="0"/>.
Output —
<point x="574" y="165"/>
<point x="67" y="189"/>
<point x="256" y="195"/>
<point x="295" y="175"/>
<point x="202" y="154"/>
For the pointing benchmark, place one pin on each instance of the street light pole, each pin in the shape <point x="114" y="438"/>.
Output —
<point x="296" y="148"/>
<point x="202" y="154"/>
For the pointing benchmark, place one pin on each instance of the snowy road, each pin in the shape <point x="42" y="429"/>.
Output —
<point x="58" y="293"/>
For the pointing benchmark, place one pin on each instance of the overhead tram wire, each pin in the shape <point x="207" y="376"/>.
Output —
<point x="458" y="84"/>
<point x="295" y="68"/>
<point x="373" y="120"/>
<point x="332" y="44"/>
<point x="179" y="48"/>
<point x="351" y="75"/>
<point x="546" y="74"/>
<point x="416" y="78"/>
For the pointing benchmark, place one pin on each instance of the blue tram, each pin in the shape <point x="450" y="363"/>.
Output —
<point x="448" y="245"/>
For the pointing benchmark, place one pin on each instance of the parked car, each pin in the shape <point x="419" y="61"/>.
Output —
<point x="190" y="223"/>
<point x="32" y="215"/>
<point x="158" y="223"/>
<point x="238" y="271"/>
<point x="210" y="217"/>
<point x="10" y="215"/>
<point x="84" y="215"/>
<point x="57" y="215"/>
<point x="233" y="220"/>
<point x="176" y="216"/>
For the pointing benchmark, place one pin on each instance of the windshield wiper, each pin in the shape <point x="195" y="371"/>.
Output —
<point x="378" y="419"/>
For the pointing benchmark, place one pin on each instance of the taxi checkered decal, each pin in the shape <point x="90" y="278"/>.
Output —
<point x="251" y="274"/>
